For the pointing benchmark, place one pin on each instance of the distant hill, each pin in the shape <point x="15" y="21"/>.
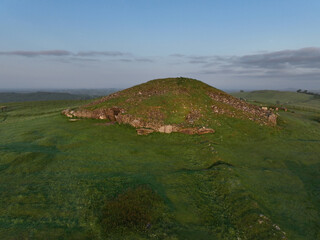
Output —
<point x="58" y="94"/>
<point x="91" y="92"/>
<point x="39" y="96"/>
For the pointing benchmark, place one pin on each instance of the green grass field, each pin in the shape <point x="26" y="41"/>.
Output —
<point x="84" y="180"/>
<point x="294" y="100"/>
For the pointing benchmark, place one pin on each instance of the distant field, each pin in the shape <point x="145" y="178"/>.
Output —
<point x="290" y="99"/>
<point x="38" y="96"/>
<point x="68" y="94"/>
<point x="63" y="180"/>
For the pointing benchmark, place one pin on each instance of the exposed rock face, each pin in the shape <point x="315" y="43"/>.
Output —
<point x="205" y="131"/>
<point x="135" y="123"/>
<point x="112" y="113"/>
<point x="252" y="112"/>
<point x="272" y="118"/>
<point x="96" y="114"/>
<point x="143" y="128"/>
<point x="189" y="131"/>
<point x="67" y="113"/>
<point x="144" y="131"/>
<point x="166" y="129"/>
<point x="192" y="131"/>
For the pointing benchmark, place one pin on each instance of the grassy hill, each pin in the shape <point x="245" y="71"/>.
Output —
<point x="85" y="180"/>
<point x="181" y="102"/>
<point x="293" y="100"/>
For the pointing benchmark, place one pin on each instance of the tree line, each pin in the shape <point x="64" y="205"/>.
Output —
<point x="307" y="92"/>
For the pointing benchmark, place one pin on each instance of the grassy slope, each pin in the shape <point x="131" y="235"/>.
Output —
<point x="174" y="99"/>
<point x="170" y="100"/>
<point x="291" y="99"/>
<point x="56" y="175"/>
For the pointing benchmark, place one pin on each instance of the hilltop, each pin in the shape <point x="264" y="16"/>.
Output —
<point x="172" y="105"/>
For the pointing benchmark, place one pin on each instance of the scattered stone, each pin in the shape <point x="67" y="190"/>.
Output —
<point x="199" y="131"/>
<point x="142" y="127"/>
<point x="205" y="130"/>
<point x="144" y="131"/>
<point x="189" y="131"/>
<point x="193" y="116"/>
<point x="252" y="112"/>
<point x="96" y="114"/>
<point x="67" y="113"/>
<point x="276" y="227"/>
<point x="272" y="118"/>
<point x="73" y="120"/>
<point x="135" y="123"/>
<point x="112" y="113"/>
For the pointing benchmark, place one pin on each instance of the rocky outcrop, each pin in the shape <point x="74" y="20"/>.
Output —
<point x="199" y="131"/>
<point x="252" y="112"/>
<point x="189" y="131"/>
<point x="144" y="131"/>
<point x="143" y="127"/>
<point x="272" y="118"/>
<point x="109" y="114"/>
<point x="205" y="131"/>
<point x="166" y="129"/>
<point x="171" y="129"/>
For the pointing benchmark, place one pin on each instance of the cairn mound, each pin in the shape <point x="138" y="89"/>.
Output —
<point x="171" y="105"/>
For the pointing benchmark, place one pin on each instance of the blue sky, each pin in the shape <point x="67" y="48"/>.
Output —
<point x="90" y="44"/>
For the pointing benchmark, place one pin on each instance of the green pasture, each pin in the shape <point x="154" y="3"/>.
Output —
<point x="294" y="100"/>
<point x="85" y="180"/>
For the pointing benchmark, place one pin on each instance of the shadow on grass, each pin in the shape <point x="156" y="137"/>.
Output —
<point x="134" y="210"/>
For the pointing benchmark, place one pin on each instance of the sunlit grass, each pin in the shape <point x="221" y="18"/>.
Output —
<point x="61" y="179"/>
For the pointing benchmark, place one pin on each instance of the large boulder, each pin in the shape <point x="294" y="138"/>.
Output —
<point x="273" y="118"/>
<point x="205" y="130"/>
<point x="166" y="129"/>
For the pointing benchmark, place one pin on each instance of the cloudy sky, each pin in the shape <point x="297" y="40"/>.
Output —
<point x="231" y="44"/>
